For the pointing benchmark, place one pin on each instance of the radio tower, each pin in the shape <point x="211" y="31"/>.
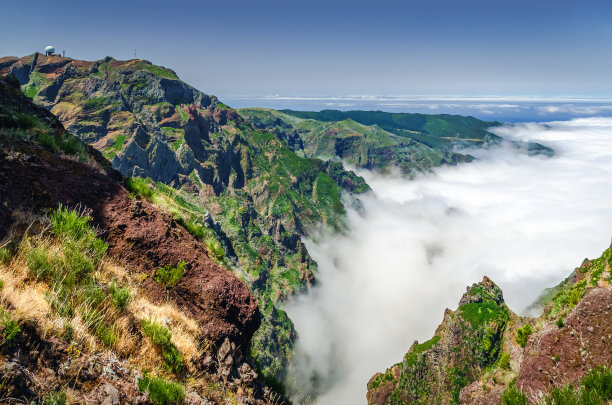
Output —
<point x="134" y="53"/>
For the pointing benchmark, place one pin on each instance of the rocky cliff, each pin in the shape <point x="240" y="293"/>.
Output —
<point x="240" y="190"/>
<point x="91" y="296"/>
<point x="483" y="353"/>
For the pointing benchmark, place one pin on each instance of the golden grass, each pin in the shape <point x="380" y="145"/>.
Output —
<point x="26" y="299"/>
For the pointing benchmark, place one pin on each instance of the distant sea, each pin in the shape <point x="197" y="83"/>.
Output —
<point x="503" y="109"/>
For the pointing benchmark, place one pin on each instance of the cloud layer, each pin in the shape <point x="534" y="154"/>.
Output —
<point x="411" y="250"/>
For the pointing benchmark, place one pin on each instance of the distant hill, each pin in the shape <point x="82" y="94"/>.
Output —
<point x="379" y="140"/>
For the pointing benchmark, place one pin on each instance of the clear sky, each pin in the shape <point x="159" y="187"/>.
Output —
<point x="329" y="47"/>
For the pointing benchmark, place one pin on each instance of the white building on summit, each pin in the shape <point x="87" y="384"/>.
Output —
<point x="50" y="50"/>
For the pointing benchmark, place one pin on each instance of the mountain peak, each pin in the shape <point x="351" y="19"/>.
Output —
<point x="486" y="290"/>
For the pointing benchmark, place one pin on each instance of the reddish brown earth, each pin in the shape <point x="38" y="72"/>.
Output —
<point x="140" y="235"/>
<point x="555" y="356"/>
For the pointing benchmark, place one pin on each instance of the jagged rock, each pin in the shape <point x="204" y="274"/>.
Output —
<point x="468" y="341"/>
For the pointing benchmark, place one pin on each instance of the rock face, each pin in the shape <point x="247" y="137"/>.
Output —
<point x="482" y="348"/>
<point x="468" y="341"/>
<point x="253" y="196"/>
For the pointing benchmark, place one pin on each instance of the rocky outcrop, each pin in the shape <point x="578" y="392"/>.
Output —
<point x="468" y="341"/>
<point x="482" y="349"/>
<point x="555" y="355"/>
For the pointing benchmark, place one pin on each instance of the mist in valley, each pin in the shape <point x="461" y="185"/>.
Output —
<point x="413" y="247"/>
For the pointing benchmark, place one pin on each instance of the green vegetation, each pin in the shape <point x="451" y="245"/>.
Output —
<point x="160" y="391"/>
<point x="160" y="336"/>
<point x="9" y="328"/>
<point x="117" y="145"/>
<point x="35" y="85"/>
<point x="381" y="380"/>
<point x="55" y="398"/>
<point x="27" y="126"/>
<point x="5" y="255"/>
<point x="513" y="396"/>
<point x="68" y="268"/>
<point x="120" y="296"/>
<point x="169" y="275"/>
<point x="411" y="358"/>
<point x="595" y="388"/>
<point x="159" y="71"/>
<point x="96" y="103"/>
<point x="522" y="334"/>
<point x="139" y="187"/>
<point x="559" y="322"/>
<point x="504" y="361"/>
<point x="481" y="313"/>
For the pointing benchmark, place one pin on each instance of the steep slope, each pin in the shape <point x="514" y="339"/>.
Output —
<point x="240" y="190"/>
<point x="83" y="292"/>
<point x="482" y="353"/>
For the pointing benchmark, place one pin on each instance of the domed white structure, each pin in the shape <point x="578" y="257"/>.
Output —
<point x="50" y="50"/>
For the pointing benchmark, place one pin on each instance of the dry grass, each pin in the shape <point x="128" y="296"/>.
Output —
<point x="27" y="301"/>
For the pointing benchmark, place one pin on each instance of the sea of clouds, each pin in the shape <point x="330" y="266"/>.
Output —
<point x="413" y="247"/>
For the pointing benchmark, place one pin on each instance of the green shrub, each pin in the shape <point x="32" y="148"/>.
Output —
<point x="75" y="229"/>
<point x="26" y="121"/>
<point x="107" y="335"/>
<point x="513" y="396"/>
<point x="55" y="398"/>
<point x="5" y="255"/>
<point x="47" y="140"/>
<point x="10" y="327"/>
<point x="71" y="145"/>
<point x="161" y="392"/>
<point x="93" y="295"/>
<point x="168" y="275"/>
<point x="39" y="265"/>
<point x="68" y="332"/>
<point x="139" y="187"/>
<point x="161" y="336"/>
<point x="504" y="361"/>
<point x="559" y="322"/>
<point x="522" y="334"/>
<point x="1" y="284"/>
<point x="599" y="380"/>
<point x="120" y="296"/>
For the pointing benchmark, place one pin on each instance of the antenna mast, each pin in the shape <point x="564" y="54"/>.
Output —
<point x="134" y="53"/>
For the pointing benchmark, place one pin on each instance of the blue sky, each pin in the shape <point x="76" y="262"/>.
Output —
<point x="382" y="47"/>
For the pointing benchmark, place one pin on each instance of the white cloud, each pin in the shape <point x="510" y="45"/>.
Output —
<point x="526" y="222"/>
